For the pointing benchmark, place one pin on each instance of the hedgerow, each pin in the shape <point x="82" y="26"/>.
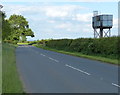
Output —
<point x="107" y="47"/>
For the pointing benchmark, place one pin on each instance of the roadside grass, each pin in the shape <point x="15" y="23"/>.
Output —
<point x="99" y="58"/>
<point x="0" y="68"/>
<point x="22" y="43"/>
<point x="10" y="78"/>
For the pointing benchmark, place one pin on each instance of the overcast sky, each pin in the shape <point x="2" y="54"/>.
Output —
<point x="70" y="19"/>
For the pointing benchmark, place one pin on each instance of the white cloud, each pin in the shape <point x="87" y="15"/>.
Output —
<point x="50" y="11"/>
<point x="69" y="30"/>
<point x="21" y="9"/>
<point x="51" y="21"/>
<point x="63" y="26"/>
<point x="61" y="11"/>
<point x="83" y="17"/>
<point x="56" y="13"/>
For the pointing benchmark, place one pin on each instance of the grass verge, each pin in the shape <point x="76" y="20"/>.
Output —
<point x="11" y="81"/>
<point x="102" y="59"/>
<point x="0" y="68"/>
<point x="22" y="43"/>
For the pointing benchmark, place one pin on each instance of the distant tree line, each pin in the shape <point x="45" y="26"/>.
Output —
<point x="15" y="29"/>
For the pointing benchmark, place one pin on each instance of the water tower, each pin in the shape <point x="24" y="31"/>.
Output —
<point x="102" y="25"/>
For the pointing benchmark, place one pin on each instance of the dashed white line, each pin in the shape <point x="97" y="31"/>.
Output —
<point x="115" y="85"/>
<point x="42" y="54"/>
<point x="77" y="69"/>
<point x="56" y="61"/>
<point x="50" y="58"/>
<point x="53" y="59"/>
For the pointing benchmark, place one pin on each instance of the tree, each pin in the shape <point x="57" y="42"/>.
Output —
<point x="6" y="29"/>
<point x="20" y="27"/>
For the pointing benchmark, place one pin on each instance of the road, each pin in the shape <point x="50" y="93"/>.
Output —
<point x="44" y="71"/>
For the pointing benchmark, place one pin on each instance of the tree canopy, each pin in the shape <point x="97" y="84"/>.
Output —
<point x="20" y="26"/>
<point x="5" y="26"/>
<point x="16" y="28"/>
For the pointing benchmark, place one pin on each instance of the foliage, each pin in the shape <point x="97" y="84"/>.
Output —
<point x="5" y="26"/>
<point x="42" y="42"/>
<point x="59" y="44"/>
<point x="20" y="27"/>
<point x="15" y="29"/>
<point x="106" y="47"/>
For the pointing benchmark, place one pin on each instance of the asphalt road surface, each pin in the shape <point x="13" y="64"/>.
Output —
<point x="44" y="71"/>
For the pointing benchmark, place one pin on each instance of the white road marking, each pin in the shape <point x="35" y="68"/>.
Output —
<point x="49" y="58"/>
<point x="115" y="85"/>
<point x="42" y="54"/>
<point x="53" y="59"/>
<point x="77" y="69"/>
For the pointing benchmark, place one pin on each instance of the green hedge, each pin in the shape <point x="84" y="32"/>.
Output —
<point x="59" y="44"/>
<point x="107" y="47"/>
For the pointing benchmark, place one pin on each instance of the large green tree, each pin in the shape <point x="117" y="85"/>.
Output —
<point x="20" y="28"/>
<point x="5" y="26"/>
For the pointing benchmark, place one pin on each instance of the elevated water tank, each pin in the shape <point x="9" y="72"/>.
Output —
<point x="102" y="21"/>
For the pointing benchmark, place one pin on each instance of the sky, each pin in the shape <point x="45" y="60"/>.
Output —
<point x="62" y="18"/>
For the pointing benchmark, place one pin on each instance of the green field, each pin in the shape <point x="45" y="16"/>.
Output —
<point x="99" y="58"/>
<point x="11" y="79"/>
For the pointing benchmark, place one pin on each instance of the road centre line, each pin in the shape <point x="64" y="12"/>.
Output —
<point x="115" y="85"/>
<point x="53" y="59"/>
<point x="50" y="58"/>
<point x="77" y="69"/>
<point x="46" y="56"/>
<point x="42" y="54"/>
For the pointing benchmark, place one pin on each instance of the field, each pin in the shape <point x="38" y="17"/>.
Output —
<point x="10" y="77"/>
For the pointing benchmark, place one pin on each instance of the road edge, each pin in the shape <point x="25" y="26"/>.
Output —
<point x="97" y="58"/>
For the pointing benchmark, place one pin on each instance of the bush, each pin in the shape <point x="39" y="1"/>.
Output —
<point x="107" y="47"/>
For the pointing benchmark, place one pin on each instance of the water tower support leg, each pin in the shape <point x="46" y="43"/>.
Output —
<point x="109" y="33"/>
<point x="96" y="34"/>
<point x="101" y="32"/>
